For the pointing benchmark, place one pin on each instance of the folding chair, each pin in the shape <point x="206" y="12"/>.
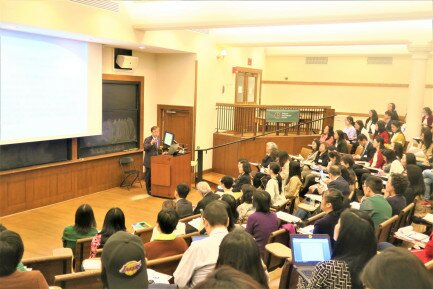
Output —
<point x="276" y="250"/>
<point x="81" y="280"/>
<point x="383" y="232"/>
<point x="165" y="265"/>
<point x="129" y="172"/>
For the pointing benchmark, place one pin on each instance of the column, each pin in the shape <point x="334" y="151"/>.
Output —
<point x="417" y="82"/>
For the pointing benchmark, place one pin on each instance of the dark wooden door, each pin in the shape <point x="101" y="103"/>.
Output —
<point x="177" y="120"/>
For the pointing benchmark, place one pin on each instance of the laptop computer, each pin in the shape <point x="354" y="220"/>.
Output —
<point x="308" y="250"/>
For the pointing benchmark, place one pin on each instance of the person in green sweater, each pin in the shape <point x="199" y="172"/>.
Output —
<point x="84" y="227"/>
<point x="374" y="203"/>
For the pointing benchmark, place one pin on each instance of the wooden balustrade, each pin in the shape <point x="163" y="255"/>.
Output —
<point x="240" y="119"/>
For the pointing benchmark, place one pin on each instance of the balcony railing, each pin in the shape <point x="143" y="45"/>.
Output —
<point x="251" y="119"/>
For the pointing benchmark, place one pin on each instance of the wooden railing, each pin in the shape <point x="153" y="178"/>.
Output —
<point x="251" y="119"/>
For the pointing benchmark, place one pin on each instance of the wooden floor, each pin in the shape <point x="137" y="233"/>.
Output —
<point x="41" y="229"/>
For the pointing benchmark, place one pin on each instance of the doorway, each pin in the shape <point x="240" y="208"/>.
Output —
<point x="179" y="121"/>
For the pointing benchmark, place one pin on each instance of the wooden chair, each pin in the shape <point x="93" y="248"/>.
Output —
<point x="189" y="218"/>
<point x="281" y="207"/>
<point x="359" y="150"/>
<point x="305" y="152"/>
<point x="166" y="265"/>
<point x="50" y="266"/>
<point x="289" y="277"/>
<point x="188" y="237"/>
<point x="276" y="249"/>
<point x="81" y="280"/>
<point x="405" y="216"/>
<point x="145" y="234"/>
<point x="82" y="251"/>
<point x="383" y="232"/>
<point x="314" y="218"/>
<point x="349" y="147"/>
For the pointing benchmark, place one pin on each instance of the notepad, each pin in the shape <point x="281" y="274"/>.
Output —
<point x="286" y="217"/>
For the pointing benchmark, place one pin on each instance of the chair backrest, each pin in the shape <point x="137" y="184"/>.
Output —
<point x="81" y="280"/>
<point x="314" y="218"/>
<point x="126" y="160"/>
<point x="188" y="237"/>
<point x="359" y="150"/>
<point x="429" y="266"/>
<point x="383" y="232"/>
<point x="165" y="265"/>
<point x="404" y="216"/>
<point x="305" y="152"/>
<point x="189" y="218"/>
<point x="349" y="147"/>
<point x="50" y="266"/>
<point x="279" y="236"/>
<point x="145" y="234"/>
<point x="82" y="251"/>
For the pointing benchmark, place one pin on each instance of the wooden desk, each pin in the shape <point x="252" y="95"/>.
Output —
<point x="167" y="172"/>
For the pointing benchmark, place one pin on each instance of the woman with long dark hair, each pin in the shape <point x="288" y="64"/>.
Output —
<point x="239" y="250"/>
<point x="244" y="177"/>
<point x="327" y="135"/>
<point x="391" y="109"/>
<point x="397" y="134"/>
<point x="392" y="164"/>
<point x="370" y="123"/>
<point x="416" y="183"/>
<point x="355" y="245"/>
<point x="340" y="142"/>
<point x="382" y="132"/>
<point x="284" y="162"/>
<point x="114" y="221"/>
<point x="350" y="130"/>
<point x="427" y="117"/>
<point x="84" y="227"/>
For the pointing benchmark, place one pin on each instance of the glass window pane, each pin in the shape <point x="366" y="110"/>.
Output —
<point x="240" y="88"/>
<point x="251" y="89"/>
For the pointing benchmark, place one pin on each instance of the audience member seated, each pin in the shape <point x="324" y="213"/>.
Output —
<point x="426" y="254"/>
<point x="408" y="159"/>
<point x="291" y="189"/>
<point x="368" y="149"/>
<point x="11" y="252"/>
<point x="336" y="181"/>
<point x="416" y="184"/>
<point x="225" y="187"/>
<point x="392" y="164"/>
<point x="332" y="204"/>
<point x="334" y="159"/>
<point x="340" y="142"/>
<point x="233" y="205"/>
<point x="376" y="161"/>
<point x="395" y="187"/>
<point x="271" y="150"/>
<point x="355" y="245"/>
<point x="387" y="119"/>
<point x="245" y="209"/>
<point x="123" y="262"/>
<point x="313" y="155"/>
<point x="427" y="118"/>
<point x="166" y="242"/>
<point x="423" y="150"/>
<point x="360" y="129"/>
<point x="396" y="268"/>
<point x="374" y="203"/>
<point x="244" y="177"/>
<point x="183" y="206"/>
<point x="398" y="150"/>
<point x="114" y="221"/>
<point x="263" y="222"/>
<point x="227" y="278"/>
<point x="84" y="227"/>
<point x="239" y="250"/>
<point x="200" y="258"/>
<point x="397" y="135"/>
<point x="383" y="132"/>
<point x="349" y="130"/>
<point x="391" y="109"/>
<point x="327" y="135"/>
<point x="428" y="181"/>
<point x="208" y="196"/>
<point x="274" y="187"/>
<point x="20" y="266"/>
<point x="321" y="162"/>
<point x="370" y="123"/>
<point x="284" y="162"/>
<point x="348" y="163"/>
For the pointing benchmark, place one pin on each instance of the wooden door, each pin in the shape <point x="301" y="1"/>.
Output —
<point x="179" y="121"/>
<point x="247" y="85"/>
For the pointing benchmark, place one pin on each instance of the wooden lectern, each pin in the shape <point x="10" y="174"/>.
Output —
<point x="167" y="172"/>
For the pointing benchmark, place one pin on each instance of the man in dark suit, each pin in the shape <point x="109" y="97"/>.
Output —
<point x="151" y="146"/>
<point x="337" y="181"/>
<point x="368" y="151"/>
<point x="208" y="197"/>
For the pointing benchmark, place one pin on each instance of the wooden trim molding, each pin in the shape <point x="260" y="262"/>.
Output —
<point x="360" y="84"/>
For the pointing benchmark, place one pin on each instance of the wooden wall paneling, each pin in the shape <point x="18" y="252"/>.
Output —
<point x="16" y="193"/>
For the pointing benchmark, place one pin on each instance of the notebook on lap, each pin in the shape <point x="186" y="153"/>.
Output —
<point x="308" y="250"/>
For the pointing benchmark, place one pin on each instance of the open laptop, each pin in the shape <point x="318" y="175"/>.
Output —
<point x="308" y="250"/>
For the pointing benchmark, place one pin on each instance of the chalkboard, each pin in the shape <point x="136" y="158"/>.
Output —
<point x="34" y="153"/>
<point x="120" y="121"/>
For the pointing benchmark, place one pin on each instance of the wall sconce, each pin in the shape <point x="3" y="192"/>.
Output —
<point x="222" y="54"/>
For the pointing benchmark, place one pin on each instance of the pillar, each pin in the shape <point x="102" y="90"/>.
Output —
<point x="417" y="82"/>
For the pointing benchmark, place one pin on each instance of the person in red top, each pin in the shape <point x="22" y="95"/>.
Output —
<point x="377" y="161"/>
<point x="425" y="254"/>
<point x="382" y="132"/>
<point x="166" y="243"/>
<point x="11" y="252"/>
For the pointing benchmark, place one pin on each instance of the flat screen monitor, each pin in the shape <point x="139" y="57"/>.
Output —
<point x="168" y="138"/>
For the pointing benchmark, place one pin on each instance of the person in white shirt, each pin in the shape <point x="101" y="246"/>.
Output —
<point x="350" y="130"/>
<point x="200" y="258"/>
<point x="274" y="186"/>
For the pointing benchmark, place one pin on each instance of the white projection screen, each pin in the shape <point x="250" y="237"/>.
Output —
<point x="50" y="88"/>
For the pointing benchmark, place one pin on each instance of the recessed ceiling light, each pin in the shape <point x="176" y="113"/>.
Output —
<point x="142" y="47"/>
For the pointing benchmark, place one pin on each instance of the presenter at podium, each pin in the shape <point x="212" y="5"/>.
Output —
<point x="151" y="147"/>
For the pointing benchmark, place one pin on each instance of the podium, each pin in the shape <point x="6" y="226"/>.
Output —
<point x="167" y="172"/>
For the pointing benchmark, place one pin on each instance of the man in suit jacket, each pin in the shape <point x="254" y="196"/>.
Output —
<point x="208" y="197"/>
<point x="368" y="151"/>
<point x="337" y="181"/>
<point x="151" y="146"/>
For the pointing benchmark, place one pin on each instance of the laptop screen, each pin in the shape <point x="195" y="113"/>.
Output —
<point x="310" y="249"/>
